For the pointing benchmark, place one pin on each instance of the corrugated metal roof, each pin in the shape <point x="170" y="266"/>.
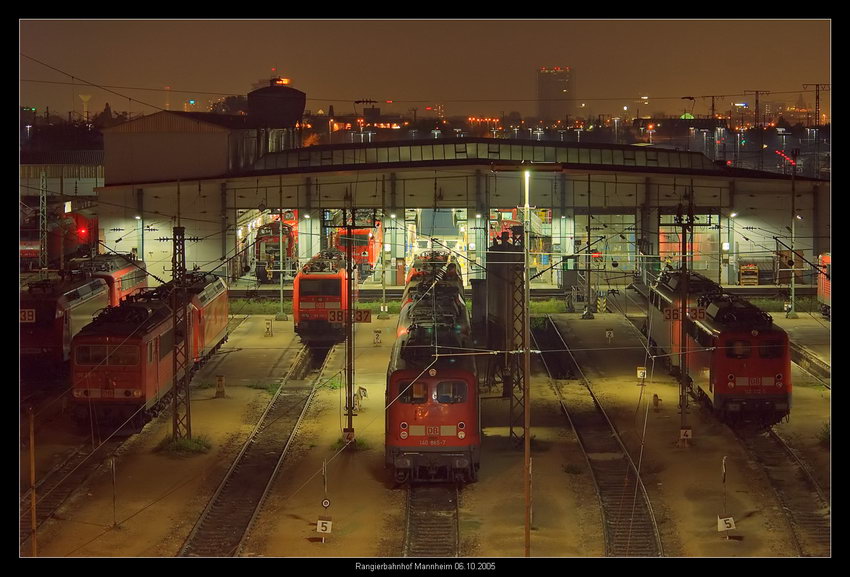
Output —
<point x="77" y="157"/>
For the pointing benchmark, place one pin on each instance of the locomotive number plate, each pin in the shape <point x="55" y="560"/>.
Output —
<point x="27" y="315"/>
<point x="339" y="316"/>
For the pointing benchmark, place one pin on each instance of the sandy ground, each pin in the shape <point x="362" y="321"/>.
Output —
<point x="155" y="499"/>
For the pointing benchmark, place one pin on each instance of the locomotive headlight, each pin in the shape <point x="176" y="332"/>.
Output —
<point x="778" y="379"/>
<point x="403" y="434"/>
<point x="461" y="425"/>
<point x="731" y="384"/>
<point x="137" y="393"/>
<point x="78" y="393"/>
<point x="403" y="425"/>
<point x="461" y="434"/>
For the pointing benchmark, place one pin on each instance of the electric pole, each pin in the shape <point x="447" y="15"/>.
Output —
<point x="181" y="420"/>
<point x="818" y="88"/>
<point x="588" y="314"/>
<point x="526" y="235"/>
<point x="817" y="122"/>
<point x="42" y="226"/>
<point x="792" y="313"/>
<point x="686" y="221"/>
<point x="349" y="330"/>
<point x="757" y="124"/>
<point x="181" y="415"/>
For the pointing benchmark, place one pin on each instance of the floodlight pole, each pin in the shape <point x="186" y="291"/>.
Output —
<point x="792" y="313"/>
<point x="527" y="367"/>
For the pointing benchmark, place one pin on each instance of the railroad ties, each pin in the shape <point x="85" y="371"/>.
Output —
<point x="52" y="491"/>
<point x="227" y="519"/>
<point x="432" y="521"/>
<point x="804" y="503"/>
<point x="629" y="523"/>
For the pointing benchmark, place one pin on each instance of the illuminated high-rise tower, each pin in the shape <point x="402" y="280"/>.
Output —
<point x="555" y="93"/>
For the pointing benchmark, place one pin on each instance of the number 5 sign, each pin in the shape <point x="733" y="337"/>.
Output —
<point x="324" y="524"/>
<point x="725" y="523"/>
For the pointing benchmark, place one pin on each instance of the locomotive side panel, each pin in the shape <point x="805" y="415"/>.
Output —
<point x="825" y="283"/>
<point x="738" y="360"/>
<point x="51" y="313"/>
<point x="123" y="360"/>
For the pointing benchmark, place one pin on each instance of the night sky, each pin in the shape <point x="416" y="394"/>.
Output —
<point x="480" y="67"/>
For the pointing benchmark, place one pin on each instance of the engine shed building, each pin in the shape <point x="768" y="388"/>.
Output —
<point x="614" y="204"/>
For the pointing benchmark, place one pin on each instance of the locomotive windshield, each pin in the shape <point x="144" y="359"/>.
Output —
<point x="738" y="349"/>
<point x="771" y="349"/>
<point x="311" y="287"/>
<point x="124" y="355"/>
<point x="413" y="393"/>
<point x="451" y="392"/>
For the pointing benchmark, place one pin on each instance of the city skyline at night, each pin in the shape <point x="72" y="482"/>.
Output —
<point x="484" y="67"/>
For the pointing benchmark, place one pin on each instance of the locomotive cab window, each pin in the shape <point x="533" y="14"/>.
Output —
<point x="413" y="392"/>
<point x="124" y="355"/>
<point x="320" y="287"/>
<point x="738" y="349"/>
<point x="451" y="392"/>
<point x="90" y="354"/>
<point x="770" y="349"/>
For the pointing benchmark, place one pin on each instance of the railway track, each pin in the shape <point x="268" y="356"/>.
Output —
<point x="55" y="488"/>
<point x="432" y="521"/>
<point x="628" y="520"/>
<point x="805" y="504"/>
<point x="227" y="519"/>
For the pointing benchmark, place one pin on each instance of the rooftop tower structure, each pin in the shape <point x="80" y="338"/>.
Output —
<point x="555" y="93"/>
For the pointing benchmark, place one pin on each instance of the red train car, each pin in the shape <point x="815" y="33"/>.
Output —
<point x="122" y="363"/>
<point x="320" y="298"/>
<point x="74" y="235"/>
<point x="432" y="417"/>
<point x="663" y="325"/>
<point x="825" y="284"/>
<point x="124" y="275"/>
<point x="430" y="260"/>
<point x="739" y="361"/>
<point x="267" y="252"/>
<point x="366" y="246"/>
<point x="51" y="313"/>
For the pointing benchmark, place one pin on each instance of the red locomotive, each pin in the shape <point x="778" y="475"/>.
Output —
<point x="432" y="417"/>
<point x="366" y="245"/>
<point x="663" y="327"/>
<point x="122" y="363"/>
<point x="320" y="298"/>
<point x="74" y="234"/>
<point x="429" y="260"/>
<point x="51" y="313"/>
<point x="739" y="361"/>
<point x="825" y="284"/>
<point x="268" y="254"/>
<point x="124" y="275"/>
